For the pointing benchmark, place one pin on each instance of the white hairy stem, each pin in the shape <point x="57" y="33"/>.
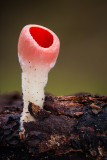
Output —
<point x="33" y="82"/>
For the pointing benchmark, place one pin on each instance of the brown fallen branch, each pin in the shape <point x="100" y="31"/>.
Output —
<point x="69" y="127"/>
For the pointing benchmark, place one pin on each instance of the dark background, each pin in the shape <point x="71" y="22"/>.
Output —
<point x="81" y="26"/>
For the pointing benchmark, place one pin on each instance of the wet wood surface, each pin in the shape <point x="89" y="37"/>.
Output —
<point x="68" y="127"/>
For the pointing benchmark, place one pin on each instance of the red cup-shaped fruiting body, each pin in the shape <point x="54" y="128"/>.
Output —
<point x="38" y="45"/>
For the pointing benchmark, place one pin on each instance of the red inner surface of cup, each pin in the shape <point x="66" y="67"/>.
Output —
<point x="43" y="37"/>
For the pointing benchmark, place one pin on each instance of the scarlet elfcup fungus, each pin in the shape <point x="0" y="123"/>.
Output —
<point x="38" y="49"/>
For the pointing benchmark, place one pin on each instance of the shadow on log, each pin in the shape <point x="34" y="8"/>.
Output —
<point x="68" y="127"/>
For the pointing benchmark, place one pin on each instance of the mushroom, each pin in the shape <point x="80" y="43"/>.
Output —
<point x="38" y="49"/>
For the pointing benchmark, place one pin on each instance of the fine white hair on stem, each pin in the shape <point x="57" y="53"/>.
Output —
<point x="33" y="82"/>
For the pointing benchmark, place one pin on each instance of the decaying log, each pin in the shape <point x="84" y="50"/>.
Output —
<point x="68" y="127"/>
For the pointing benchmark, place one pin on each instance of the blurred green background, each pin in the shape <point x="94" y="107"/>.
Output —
<point x="82" y="29"/>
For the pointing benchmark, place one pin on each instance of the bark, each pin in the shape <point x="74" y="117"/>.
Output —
<point x="68" y="127"/>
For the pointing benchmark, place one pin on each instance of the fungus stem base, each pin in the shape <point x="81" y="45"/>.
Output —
<point x="33" y="83"/>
